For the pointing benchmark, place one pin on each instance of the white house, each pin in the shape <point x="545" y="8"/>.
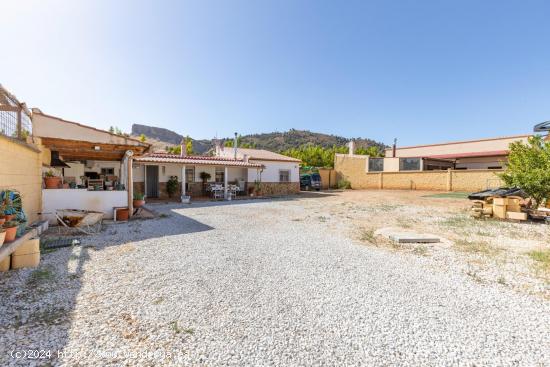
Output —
<point x="280" y="174"/>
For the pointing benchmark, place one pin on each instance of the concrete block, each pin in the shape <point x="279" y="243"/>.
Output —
<point x="25" y="261"/>
<point x="516" y="216"/>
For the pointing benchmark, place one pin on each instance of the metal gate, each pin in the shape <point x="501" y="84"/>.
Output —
<point x="152" y="181"/>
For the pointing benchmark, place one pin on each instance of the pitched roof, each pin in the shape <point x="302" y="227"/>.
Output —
<point x="212" y="161"/>
<point x="265" y="155"/>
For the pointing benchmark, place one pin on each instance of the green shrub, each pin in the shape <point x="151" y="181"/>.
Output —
<point x="344" y="184"/>
<point x="529" y="168"/>
<point x="172" y="186"/>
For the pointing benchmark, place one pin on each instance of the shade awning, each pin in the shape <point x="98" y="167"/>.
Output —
<point x="77" y="150"/>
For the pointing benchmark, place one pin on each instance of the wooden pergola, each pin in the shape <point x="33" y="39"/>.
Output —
<point x="78" y="150"/>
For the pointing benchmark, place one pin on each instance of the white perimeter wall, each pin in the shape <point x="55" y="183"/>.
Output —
<point x="271" y="171"/>
<point x="82" y="199"/>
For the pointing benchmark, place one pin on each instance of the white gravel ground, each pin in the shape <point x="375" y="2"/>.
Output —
<point x="259" y="283"/>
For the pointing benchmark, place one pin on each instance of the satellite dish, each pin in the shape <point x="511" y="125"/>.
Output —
<point x="543" y="126"/>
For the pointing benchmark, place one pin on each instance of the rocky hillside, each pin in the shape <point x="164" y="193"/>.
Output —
<point x="275" y="141"/>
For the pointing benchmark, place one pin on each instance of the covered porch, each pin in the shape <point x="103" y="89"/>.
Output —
<point x="93" y="167"/>
<point x="169" y="177"/>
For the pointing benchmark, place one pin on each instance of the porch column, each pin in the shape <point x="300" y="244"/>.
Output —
<point x="130" y="187"/>
<point x="225" y="183"/>
<point x="183" y="178"/>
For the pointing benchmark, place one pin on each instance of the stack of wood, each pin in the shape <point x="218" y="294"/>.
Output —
<point x="499" y="207"/>
<point x="481" y="209"/>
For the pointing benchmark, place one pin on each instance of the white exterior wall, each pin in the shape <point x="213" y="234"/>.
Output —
<point x="271" y="171"/>
<point x="170" y="169"/>
<point x="82" y="199"/>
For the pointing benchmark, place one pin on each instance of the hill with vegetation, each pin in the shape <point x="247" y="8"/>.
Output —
<point x="314" y="149"/>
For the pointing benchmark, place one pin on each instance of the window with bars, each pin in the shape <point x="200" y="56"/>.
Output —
<point x="190" y="175"/>
<point x="220" y="175"/>
<point x="409" y="164"/>
<point x="284" y="175"/>
<point x="376" y="164"/>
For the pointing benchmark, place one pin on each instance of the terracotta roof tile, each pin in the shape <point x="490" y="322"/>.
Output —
<point x="176" y="158"/>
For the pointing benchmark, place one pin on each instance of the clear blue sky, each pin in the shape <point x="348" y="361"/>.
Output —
<point x="421" y="71"/>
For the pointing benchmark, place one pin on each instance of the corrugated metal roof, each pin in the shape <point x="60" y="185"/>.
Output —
<point x="175" y="158"/>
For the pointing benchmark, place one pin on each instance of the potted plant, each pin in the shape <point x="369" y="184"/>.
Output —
<point x="172" y="186"/>
<point x="51" y="180"/>
<point x="204" y="176"/>
<point x="21" y="227"/>
<point x="10" y="204"/>
<point x="11" y="230"/>
<point x="257" y="187"/>
<point x="122" y="214"/>
<point x="139" y="199"/>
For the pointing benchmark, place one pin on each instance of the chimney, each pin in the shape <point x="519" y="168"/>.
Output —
<point x="245" y="158"/>
<point x="218" y="147"/>
<point x="351" y="146"/>
<point x="394" y="147"/>
<point x="235" y="147"/>
<point x="182" y="147"/>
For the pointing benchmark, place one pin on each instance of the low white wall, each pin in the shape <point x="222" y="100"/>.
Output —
<point x="82" y="199"/>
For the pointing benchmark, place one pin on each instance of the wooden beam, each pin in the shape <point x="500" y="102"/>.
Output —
<point x="9" y="108"/>
<point x="56" y="143"/>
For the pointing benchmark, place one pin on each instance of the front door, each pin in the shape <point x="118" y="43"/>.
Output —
<point x="152" y="181"/>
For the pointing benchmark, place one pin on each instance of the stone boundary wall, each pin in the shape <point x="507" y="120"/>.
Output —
<point x="21" y="170"/>
<point x="353" y="169"/>
<point x="278" y="188"/>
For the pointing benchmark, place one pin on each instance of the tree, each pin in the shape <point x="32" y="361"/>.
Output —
<point x="372" y="151"/>
<point x="315" y="155"/>
<point x="529" y="168"/>
<point x="188" y="145"/>
<point x="142" y="138"/>
<point x="240" y="143"/>
<point x="111" y="130"/>
<point x="176" y="149"/>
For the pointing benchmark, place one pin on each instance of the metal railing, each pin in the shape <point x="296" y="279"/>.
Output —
<point x="15" y="118"/>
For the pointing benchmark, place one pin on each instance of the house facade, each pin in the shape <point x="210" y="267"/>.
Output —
<point x="252" y="171"/>
<point x="194" y="174"/>
<point x="280" y="174"/>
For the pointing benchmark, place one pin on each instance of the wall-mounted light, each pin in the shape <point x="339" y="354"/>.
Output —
<point x="97" y="147"/>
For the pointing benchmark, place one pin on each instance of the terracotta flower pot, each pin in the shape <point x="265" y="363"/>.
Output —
<point x="2" y="238"/>
<point x="122" y="214"/>
<point x="52" y="182"/>
<point x="10" y="234"/>
<point x="9" y="217"/>
<point x="2" y="220"/>
<point x="138" y="203"/>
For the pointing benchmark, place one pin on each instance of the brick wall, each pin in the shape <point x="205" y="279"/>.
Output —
<point x="21" y="169"/>
<point x="353" y="169"/>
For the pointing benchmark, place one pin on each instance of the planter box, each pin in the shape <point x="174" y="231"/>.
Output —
<point x="28" y="247"/>
<point x="5" y="264"/>
<point x="25" y="261"/>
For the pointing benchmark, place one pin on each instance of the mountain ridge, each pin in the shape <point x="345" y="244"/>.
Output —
<point x="273" y="141"/>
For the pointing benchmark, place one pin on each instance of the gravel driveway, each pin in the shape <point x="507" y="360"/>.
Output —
<point x="259" y="283"/>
